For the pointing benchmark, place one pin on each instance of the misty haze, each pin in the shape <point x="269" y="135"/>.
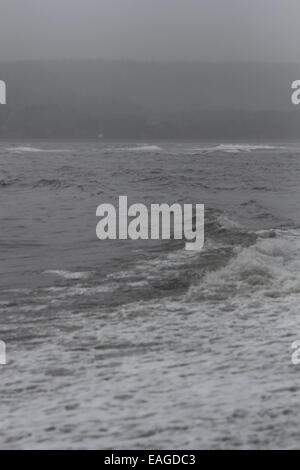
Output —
<point x="149" y="100"/>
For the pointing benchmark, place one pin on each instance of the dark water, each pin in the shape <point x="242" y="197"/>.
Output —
<point x="143" y="344"/>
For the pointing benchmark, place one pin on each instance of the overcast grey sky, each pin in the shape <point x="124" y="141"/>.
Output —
<point x="266" y="30"/>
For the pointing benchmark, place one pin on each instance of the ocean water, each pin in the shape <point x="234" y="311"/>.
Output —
<point x="123" y="344"/>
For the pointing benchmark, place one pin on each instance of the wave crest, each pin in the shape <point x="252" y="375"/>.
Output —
<point x="267" y="268"/>
<point x="34" y="150"/>
<point x="237" y="148"/>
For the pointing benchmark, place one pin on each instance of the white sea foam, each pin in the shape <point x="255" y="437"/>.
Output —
<point x="35" y="150"/>
<point x="140" y="148"/>
<point x="269" y="268"/>
<point x="80" y="290"/>
<point x="69" y="274"/>
<point x="237" y="148"/>
<point x="146" y="148"/>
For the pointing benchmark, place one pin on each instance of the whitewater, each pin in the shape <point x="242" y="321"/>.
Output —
<point x="142" y="344"/>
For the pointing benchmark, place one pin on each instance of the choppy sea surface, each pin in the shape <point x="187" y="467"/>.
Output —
<point x="142" y="344"/>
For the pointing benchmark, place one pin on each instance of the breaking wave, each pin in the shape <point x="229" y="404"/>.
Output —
<point x="269" y="268"/>
<point x="141" y="148"/>
<point x="35" y="150"/>
<point x="237" y="148"/>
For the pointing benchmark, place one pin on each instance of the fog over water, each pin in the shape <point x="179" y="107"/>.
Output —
<point x="151" y="30"/>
